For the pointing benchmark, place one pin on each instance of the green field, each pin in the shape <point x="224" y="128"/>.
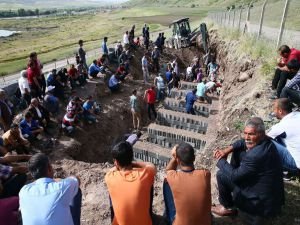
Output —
<point x="57" y="37"/>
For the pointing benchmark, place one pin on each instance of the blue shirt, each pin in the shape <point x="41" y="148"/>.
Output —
<point x="26" y="128"/>
<point x="113" y="81"/>
<point x="201" y="88"/>
<point x="104" y="48"/>
<point x="88" y="105"/>
<point x="94" y="69"/>
<point x="46" y="202"/>
<point x="169" y="76"/>
<point x="190" y="99"/>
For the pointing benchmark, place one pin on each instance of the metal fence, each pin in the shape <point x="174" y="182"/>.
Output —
<point x="277" y="21"/>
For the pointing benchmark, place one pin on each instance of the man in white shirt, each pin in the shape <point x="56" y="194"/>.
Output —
<point x="125" y="39"/>
<point x="24" y="87"/>
<point x="287" y="132"/>
<point x="160" y="84"/>
<point x="145" y="68"/>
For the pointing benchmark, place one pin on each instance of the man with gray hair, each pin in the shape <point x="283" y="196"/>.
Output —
<point x="252" y="181"/>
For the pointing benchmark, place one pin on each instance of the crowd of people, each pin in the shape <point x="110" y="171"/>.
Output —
<point x="252" y="181"/>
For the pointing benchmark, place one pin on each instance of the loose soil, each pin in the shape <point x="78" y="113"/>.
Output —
<point x="86" y="154"/>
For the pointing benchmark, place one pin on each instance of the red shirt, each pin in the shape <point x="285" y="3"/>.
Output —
<point x="121" y="69"/>
<point x="151" y="96"/>
<point x="30" y="75"/>
<point x="295" y="54"/>
<point x="72" y="72"/>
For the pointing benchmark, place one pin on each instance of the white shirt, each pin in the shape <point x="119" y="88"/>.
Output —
<point x="23" y="83"/>
<point x="47" y="202"/>
<point x="209" y="85"/>
<point x="125" y="39"/>
<point x="290" y="125"/>
<point x="160" y="83"/>
<point x="189" y="70"/>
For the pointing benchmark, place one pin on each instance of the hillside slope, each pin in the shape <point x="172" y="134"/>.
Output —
<point x="199" y="3"/>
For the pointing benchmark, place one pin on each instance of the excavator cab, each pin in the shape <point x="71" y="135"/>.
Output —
<point x="181" y="33"/>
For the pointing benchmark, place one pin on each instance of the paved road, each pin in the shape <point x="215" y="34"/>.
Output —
<point x="10" y="79"/>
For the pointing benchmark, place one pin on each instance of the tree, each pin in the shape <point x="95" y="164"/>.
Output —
<point x="37" y="12"/>
<point x="21" y="12"/>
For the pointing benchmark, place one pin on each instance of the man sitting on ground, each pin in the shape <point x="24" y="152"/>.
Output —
<point x="58" y="200"/>
<point x="283" y="73"/>
<point x="253" y="179"/>
<point x="187" y="191"/>
<point x="51" y="103"/>
<point x="130" y="186"/>
<point x="12" y="176"/>
<point x="89" y="110"/>
<point x="30" y="128"/>
<point x="75" y="107"/>
<point x="6" y="114"/>
<point x="292" y="88"/>
<point x="68" y="122"/>
<point x="39" y="113"/>
<point x="94" y="69"/>
<point x="287" y="133"/>
<point x="114" y="83"/>
<point x="13" y="140"/>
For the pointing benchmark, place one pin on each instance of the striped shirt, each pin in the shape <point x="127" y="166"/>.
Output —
<point x="295" y="82"/>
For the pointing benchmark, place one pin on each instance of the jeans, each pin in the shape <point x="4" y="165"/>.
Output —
<point x="280" y="79"/>
<point x="170" y="210"/>
<point x="89" y="117"/>
<point x="75" y="207"/>
<point x="151" y="107"/>
<point x="114" y="88"/>
<point x="160" y="94"/>
<point x="293" y="95"/>
<point x="288" y="162"/>
<point x="190" y="110"/>
<point x="13" y="185"/>
<point x="145" y="75"/>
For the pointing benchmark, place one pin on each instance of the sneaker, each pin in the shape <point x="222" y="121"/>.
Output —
<point x="273" y="97"/>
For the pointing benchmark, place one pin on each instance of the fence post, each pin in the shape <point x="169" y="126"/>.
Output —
<point x="240" y="17"/>
<point x="261" y="18"/>
<point x="233" y="18"/>
<point x="246" y="27"/>
<point x="287" y="2"/>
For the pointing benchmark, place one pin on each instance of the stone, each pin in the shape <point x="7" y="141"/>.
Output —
<point x="244" y="76"/>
